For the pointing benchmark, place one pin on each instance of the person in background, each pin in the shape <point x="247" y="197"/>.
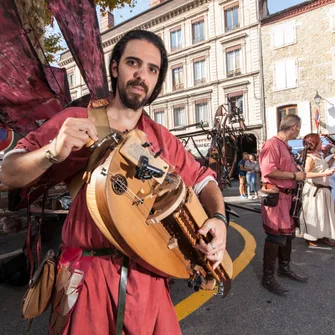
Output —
<point x="251" y="176"/>
<point x="330" y="159"/>
<point x="242" y="172"/>
<point x="279" y="173"/>
<point x="317" y="218"/>
<point x="326" y="150"/>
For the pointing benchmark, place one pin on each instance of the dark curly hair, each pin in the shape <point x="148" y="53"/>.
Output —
<point x="151" y="38"/>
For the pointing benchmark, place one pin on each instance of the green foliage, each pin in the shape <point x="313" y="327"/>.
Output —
<point x="52" y="42"/>
<point x="105" y="5"/>
<point x="52" y="45"/>
<point x="112" y="4"/>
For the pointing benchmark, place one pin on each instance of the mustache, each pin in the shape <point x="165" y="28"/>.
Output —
<point x="138" y="83"/>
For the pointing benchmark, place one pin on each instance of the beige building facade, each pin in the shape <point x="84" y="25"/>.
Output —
<point x="214" y="55"/>
<point x="298" y="47"/>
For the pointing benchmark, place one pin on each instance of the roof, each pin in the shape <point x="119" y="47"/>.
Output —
<point x="295" y="11"/>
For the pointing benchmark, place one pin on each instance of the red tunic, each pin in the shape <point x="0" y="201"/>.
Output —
<point x="275" y="155"/>
<point x="149" y="309"/>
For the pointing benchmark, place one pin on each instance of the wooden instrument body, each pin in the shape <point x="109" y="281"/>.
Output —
<point x="130" y="213"/>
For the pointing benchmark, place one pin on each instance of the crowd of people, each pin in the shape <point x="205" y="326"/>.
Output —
<point x="315" y="220"/>
<point x="275" y="168"/>
<point x="249" y="176"/>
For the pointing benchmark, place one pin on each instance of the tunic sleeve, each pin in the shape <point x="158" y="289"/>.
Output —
<point x="47" y="132"/>
<point x="269" y="158"/>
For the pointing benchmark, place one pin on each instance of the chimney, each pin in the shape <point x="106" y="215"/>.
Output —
<point x="106" y="21"/>
<point x="154" y="3"/>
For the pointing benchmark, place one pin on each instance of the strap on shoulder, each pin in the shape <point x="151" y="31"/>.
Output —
<point x="103" y="129"/>
<point x="101" y="120"/>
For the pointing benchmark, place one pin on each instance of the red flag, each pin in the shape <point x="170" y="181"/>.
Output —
<point x="317" y="119"/>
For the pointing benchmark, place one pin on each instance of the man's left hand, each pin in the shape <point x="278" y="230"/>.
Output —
<point x="213" y="250"/>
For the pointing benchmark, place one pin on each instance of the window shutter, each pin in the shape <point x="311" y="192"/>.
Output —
<point x="280" y="75"/>
<point x="291" y="73"/>
<point x="289" y="33"/>
<point x="278" y="36"/>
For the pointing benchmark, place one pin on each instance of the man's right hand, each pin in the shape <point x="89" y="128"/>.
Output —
<point x="72" y="136"/>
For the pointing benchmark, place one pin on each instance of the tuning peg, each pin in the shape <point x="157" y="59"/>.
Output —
<point x="146" y="144"/>
<point x="158" y="153"/>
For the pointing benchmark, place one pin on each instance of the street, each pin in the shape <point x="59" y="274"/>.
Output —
<point x="249" y="308"/>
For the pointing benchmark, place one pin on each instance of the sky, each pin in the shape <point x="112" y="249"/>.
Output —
<point x="278" y="5"/>
<point x="142" y="5"/>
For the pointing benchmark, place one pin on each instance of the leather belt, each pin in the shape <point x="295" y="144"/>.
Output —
<point x="115" y="253"/>
<point x="269" y="186"/>
<point x="318" y="186"/>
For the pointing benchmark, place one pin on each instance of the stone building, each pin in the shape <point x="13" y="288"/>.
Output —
<point x="214" y="55"/>
<point x="298" y="47"/>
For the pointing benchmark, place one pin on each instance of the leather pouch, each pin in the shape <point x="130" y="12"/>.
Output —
<point x="268" y="197"/>
<point x="38" y="296"/>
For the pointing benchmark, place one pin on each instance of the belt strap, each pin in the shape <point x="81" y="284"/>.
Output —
<point x="283" y="190"/>
<point x="122" y="285"/>
<point x="122" y="296"/>
<point x="103" y="129"/>
<point x="102" y="252"/>
<point x="318" y="186"/>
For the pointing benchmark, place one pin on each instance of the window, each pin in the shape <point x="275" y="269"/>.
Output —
<point x="233" y="61"/>
<point x="231" y="18"/>
<point x="201" y="112"/>
<point x="176" y="41"/>
<point x="199" y="72"/>
<point x="236" y="103"/>
<point x="177" y="78"/>
<point x="159" y="117"/>
<point x="198" y="33"/>
<point x="285" y="74"/>
<point x="283" y="111"/>
<point x="179" y="116"/>
<point x="70" y="78"/>
<point x="283" y="34"/>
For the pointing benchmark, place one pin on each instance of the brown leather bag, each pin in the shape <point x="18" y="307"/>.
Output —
<point x="39" y="293"/>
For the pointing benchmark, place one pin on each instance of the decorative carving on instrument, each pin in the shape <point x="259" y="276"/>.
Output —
<point x="119" y="184"/>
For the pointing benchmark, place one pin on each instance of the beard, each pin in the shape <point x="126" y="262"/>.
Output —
<point x="133" y="100"/>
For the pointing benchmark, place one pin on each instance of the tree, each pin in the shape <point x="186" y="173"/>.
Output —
<point x="52" y="45"/>
<point x="35" y="16"/>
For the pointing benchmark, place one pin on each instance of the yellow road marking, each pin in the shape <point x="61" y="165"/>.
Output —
<point x="197" y="299"/>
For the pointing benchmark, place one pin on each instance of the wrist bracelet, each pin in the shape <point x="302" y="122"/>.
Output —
<point x="294" y="176"/>
<point x="221" y="217"/>
<point x="51" y="158"/>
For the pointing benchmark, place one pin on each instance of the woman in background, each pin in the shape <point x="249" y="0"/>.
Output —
<point x="317" y="218"/>
<point x="251" y="165"/>
<point x="242" y="172"/>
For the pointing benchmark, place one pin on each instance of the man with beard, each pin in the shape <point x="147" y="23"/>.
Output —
<point x="56" y="152"/>
<point x="279" y="172"/>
